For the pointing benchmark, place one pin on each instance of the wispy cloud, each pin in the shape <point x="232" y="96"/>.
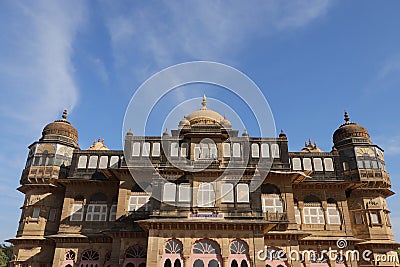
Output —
<point x="391" y="144"/>
<point x="206" y="30"/>
<point x="39" y="77"/>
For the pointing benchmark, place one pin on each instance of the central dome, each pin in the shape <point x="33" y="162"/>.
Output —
<point x="205" y="116"/>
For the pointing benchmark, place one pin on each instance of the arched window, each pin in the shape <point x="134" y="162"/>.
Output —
<point x="206" y="252"/>
<point x="173" y="246"/>
<point x="90" y="258"/>
<point x="135" y="255"/>
<point x="239" y="253"/>
<point x="206" y="195"/>
<point x="173" y="250"/>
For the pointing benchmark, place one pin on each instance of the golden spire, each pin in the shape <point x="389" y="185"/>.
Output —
<point x="204" y="103"/>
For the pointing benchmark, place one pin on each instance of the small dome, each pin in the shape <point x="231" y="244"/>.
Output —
<point x="282" y="134"/>
<point x="226" y="123"/>
<point x="98" y="145"/>
<point x="184" y="122"/>
<point x="245" y="133"/>
<point x="349" y="130"/>
<point x="166" y="133"/>
<point x="130" y="133"/>
<point x="310" y="147"/>
<point x="61" y="128"/>
<point x="206" y="116"/>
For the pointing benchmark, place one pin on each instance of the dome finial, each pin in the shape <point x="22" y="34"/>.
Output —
<point x="346" y="117"/>
<point x="204" y="103"/>
<point x="64" y="115"/>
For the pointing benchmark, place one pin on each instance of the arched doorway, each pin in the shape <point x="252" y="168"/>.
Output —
<point x="206" y="253"/>
<point x="238" y="253"/>
<point x="136" y="256"/>
<point x="173" y="249"/>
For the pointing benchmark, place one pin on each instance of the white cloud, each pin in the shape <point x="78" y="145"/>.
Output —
<point x="39" y="77"/>
<point x="208" y="30"/>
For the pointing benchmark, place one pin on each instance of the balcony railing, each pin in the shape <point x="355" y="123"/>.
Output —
<point x="275" y="216"/>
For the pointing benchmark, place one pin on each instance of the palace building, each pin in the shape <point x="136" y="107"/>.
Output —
<point x="218" y="197"/>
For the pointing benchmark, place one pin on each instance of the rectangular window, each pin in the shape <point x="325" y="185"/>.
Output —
<point x="206" y="195"/>
<point x="184" y="150"/>
<point x="113" y="213"/>
<point x="358" y="218"/>
<point x="93" y="162"/>
<point x="318" y="165"/>
<point x="36" y="213"/>
<point x="197" y="152"/>
<point x="297" y="214"/>
<point x="139" y="203"/>
<point x="313" y="215"/>
<point x="307" y="164"/>
<point x="227" y="193"/>
<point x="136" y="149"/>
<point x="275" y="150"/>
<point x="52" y="215"/>
<point x="213" y="151"/>
<point x="374" y="164"/>
<point x="146" y="149"/>
<point x="242" y="193"/>
<point x="76" y="212"/>
<point x="236" y="150"/>
<point x="184" y="193"/>
<point x="264" y="151"/>
<point x="205" y="151"/>
<point x="272" y="203"/>
<point x="360" y="164"/>
<point x="114" y="162"/>
<point x="296" y="164"/>
<point x="174" y="149"/>
<point x="328" y="162"/>
<point x="367" y="164"/>
<point x="375" y="217"/>
<point x="227" y="150"/>
<point x="96" y="212"/>
<point x="103" y="162"/>
<point x="169" y="192"/>
<point x="255" y="151"/>
<point x="156" y="150"/>
<point x="333" y="215"/>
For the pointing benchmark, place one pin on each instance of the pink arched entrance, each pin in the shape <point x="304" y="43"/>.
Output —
<point x="206" y="253"/>
<point x="238" y="254"/>
<point x="172" y="256"/>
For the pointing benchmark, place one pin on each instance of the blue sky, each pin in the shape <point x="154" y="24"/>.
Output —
<point x="311" y="59"/>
